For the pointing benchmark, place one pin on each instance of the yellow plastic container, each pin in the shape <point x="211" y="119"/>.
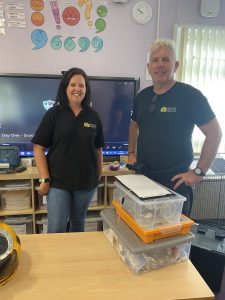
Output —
<point x="150" y="235"/>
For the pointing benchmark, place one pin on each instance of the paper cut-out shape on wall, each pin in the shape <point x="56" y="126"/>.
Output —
<point x="37" y="18"/>
<point x="71" y="16"/>
<point x="100" y="25"/>
<point x="88" y="3"/>
<point x="102" y="11"/>
<point x="90" y="23"/>
<point x="56" y="43"/>
<point x="55" y="11"/>
<point x="69" y="44"/>
<point x="84" y="43"/>
<point x="37" y="4"/>
<point x="39" y="38"/>
<point x="97" y="43"/>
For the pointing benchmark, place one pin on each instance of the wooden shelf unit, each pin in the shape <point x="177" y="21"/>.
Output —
<point x="31" y="175"/>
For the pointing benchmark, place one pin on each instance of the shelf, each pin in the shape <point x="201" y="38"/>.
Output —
<point x="93" y="219"/>
<point x="99" y="207"/>
<point x="13" y="188"/>
<point x="40" y="211"/>
<point x="16" y="212"/>
<point x="103" y="198"/>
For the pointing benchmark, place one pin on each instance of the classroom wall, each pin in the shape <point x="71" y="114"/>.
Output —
<point x="125" y="43"/>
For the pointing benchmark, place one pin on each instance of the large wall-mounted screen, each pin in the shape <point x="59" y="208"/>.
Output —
<point x="24" y="100"/>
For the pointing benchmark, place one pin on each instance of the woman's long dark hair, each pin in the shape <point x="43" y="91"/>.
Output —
<point x="61" y="97"/>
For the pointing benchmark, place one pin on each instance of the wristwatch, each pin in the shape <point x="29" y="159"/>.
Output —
<point x="198" y="171"/>
<point x="44" y="180"/>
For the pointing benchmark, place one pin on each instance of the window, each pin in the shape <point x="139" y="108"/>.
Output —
<point x="201" y="54"/>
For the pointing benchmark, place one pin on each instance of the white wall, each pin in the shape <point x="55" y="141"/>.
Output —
<point x="125" y="42"/>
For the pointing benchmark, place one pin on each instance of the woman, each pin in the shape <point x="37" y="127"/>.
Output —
<point x="73" y="134"/>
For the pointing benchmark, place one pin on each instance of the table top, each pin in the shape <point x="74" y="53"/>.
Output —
<point x="84" y="266"/>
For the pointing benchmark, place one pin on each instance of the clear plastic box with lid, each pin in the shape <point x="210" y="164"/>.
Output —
<point x="150" y="212"/>
<point x="139" y="256"/>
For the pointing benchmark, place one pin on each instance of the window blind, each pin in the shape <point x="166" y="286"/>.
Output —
<point x="201" y="55"/>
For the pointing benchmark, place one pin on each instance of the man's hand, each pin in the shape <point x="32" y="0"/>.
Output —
<point x="132" y="158"/>
<point x="188" y="178"/>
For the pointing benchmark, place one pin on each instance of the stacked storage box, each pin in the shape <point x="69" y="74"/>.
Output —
<point x="148" y="233"/>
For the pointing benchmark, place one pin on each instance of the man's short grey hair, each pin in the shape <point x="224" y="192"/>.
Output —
<point x="163" y="43"/>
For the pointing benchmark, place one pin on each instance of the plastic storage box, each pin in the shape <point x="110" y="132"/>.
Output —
<point x="42" y="224"/>
<point x="137" y="255"/>
<point x="155" y="233"/>
<point x="42" y="200"/>
<point x="150" y="212"/>
<point x="21" y="224"/>
<point x="97" y="197"/>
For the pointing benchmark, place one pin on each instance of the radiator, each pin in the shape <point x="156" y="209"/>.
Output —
<point x="209" y="199"/>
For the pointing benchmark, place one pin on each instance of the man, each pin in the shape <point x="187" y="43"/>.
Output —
<point x="162" y="124"/>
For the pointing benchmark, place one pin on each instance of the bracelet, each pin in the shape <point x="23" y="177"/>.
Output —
<point x="129" y="152"/>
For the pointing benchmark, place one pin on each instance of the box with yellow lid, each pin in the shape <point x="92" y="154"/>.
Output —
<point x="155" y="233"/>
<point x="139" y="256"/>
<point x="159" y="205"/>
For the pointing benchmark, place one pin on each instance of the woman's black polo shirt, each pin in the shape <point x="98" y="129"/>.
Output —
<point x="71" y="141"/>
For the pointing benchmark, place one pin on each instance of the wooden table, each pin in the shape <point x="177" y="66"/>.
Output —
<point x="75" y="266"/>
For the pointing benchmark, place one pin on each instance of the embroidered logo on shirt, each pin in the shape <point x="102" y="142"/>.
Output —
<point x="48" y="104"/>
<point x="168" y="109"/>
<point x="86" y="124"/>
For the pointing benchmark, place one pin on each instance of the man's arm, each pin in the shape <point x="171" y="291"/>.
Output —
<point x="213" y="135"/>
<point x="132" y="142"/>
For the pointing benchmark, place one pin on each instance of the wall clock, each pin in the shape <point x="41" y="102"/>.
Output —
<point x="142" y="12"/>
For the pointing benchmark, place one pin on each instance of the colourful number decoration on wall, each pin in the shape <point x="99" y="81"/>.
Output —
<point x="97" y="43"/>
<point x="84" y="43"/>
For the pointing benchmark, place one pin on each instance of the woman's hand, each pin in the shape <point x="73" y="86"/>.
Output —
<point x="44" y="188"/>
